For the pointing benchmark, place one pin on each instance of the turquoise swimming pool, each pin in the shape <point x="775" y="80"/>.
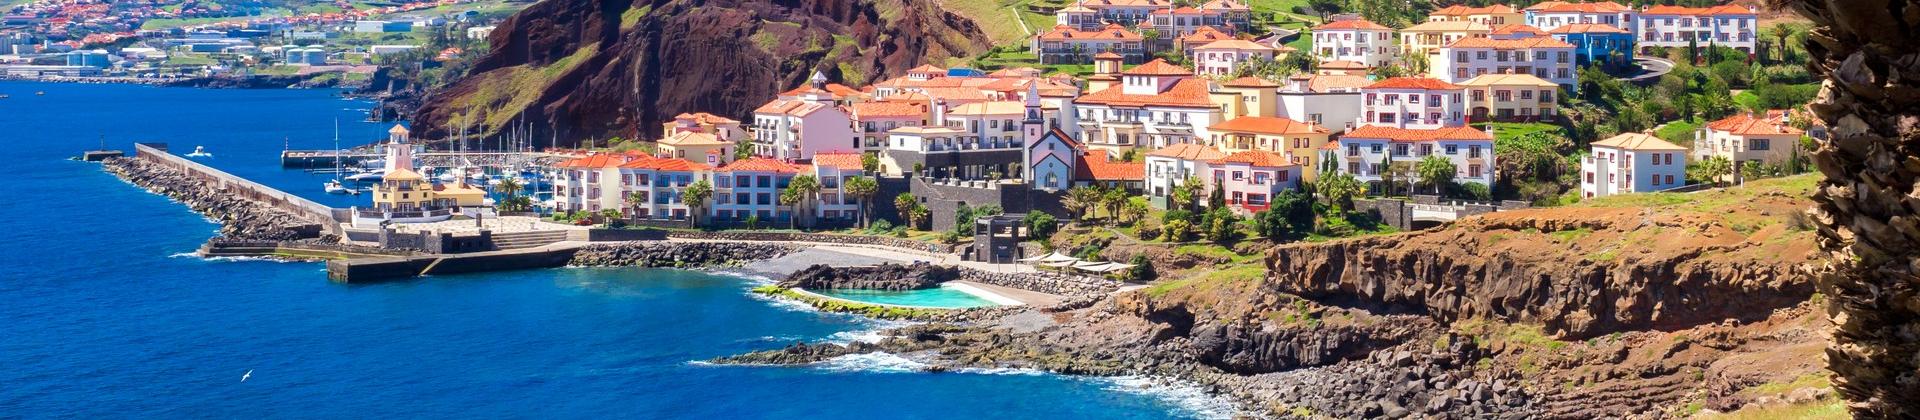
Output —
<point x="940" y="297"/>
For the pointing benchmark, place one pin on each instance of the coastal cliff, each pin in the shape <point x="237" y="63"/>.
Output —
<point x="576" y="70"/>
<point x="1637" y="306"/>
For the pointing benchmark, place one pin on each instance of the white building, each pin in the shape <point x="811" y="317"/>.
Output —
<point x="1630" y="163"/>
<point x="793" y="129"/>
<point x="1331" y="101"/>
<point x="1168" y="168"/>
<point x="1368" y="152"/>
<point x="1413" y="102"/>
<point x="1543" y="57"/>
<point x="1728" y="25"/>
<point x="1547" y="15"/>
<point x="1220" y="58"/>
<point x="479" y="32"/>
<point x="1356" y="40"/>
<point x="1155" y="104"/>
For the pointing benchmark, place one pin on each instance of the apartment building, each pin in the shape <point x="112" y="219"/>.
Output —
<point x="1412" y="102"/>
<point x="1546" y="58"/>
<point x="1356" y="40"/>
<point x="1630" y="163"/>
<point x="1368" y="152"/>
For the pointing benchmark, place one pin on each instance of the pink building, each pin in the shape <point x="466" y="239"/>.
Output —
<point x="1251" y="178"/>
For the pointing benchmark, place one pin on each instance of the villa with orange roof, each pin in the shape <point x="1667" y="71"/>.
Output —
<point x="1155" y="104"/>
<point x="1222" y="15"/>
<point x="1098" y="169"/>
<point x="1245" y="96"/>
<point x="1298" y="141"/>
<point x="1250" y="178"/>
<point x="591" y="183"/>
<point x="833" y="169"/>
<point x="1747" y="139"/>
<point x="1368" y="152"/>
<point x="1169" y="167"/>
<point x="722" y="128"/>
<point x="1726" y="25"/>
<point x="1124" y="12"/>
<point x="1517" y="31"/>
<point x="1630" y="163"/>
<point x="1221" y="58"/>
<point x="1078" y="17"/>
<point x="1551" y="14"/>
<point x="1356" y="40"/>
<point x="798" y="128"/>
<point x="1068" y="45"/>
<point x="1493" y="15"/>
<point x="1201" y="36"/>
<point x="696" y="146"/>
<point x="1413" y="102"/>
<point x="652" y="188"/>
<point x="873" y="119"/>
<point x="1510" y="97"/>
<point x="1427" y="38"/>
<point x="1546" y="58"/>
<point x="751" y="187"/>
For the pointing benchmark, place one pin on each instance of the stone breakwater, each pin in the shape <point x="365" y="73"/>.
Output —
<point x="678" y="254"/>
<point x="239" y="217"/>
<point x="816" y="237"/>
<point x="1049" y="283"/>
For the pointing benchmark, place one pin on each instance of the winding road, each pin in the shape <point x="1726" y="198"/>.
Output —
<point x="1651" y="68"/>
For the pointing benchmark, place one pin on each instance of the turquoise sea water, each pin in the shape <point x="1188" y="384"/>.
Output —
<point x="941" y="297"/>
<point x="103" y="314"/>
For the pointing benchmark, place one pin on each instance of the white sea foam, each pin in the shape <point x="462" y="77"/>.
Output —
<point x="228" y="258"/>
<point x="869" y="335"/>
<point x="872" y="362"/>
<point x="1187" y="398"/>
<point x="1003" y="371"/>
<point x="787" y="304"/>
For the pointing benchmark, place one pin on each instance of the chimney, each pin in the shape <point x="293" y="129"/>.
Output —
<point x="939" y="112"/>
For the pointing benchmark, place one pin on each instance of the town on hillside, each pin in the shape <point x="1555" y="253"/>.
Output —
<point x="334" y="42"/>
<point x="1473" y="110"/>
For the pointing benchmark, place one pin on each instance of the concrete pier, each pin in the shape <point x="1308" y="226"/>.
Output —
<point x="376" y="269"/>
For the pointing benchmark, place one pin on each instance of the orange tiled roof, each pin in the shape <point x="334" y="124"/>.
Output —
<point x="1427" y="83"/>
<point x="1188" y="151"/>
<point x="1268" y="125"/>
<point x="1522" y="29"/>
<point x="594" y="161"/>
<point x="1343" y="65"/>
<point x="841" y="160"/>
<point x="705" y="118"/>
<point x="1249" y="81"/>
<point x="1355" y="24"/>
<point x="1748" y="125"/>
<point x="1408" y="134"/>
<point x="1510" y="44"/>
<point x="760" y="164"/>
<point x="1637" y="141"/>
<point x="1328" y="82"/>
<point x="927" y="68"/>
<point x="1233" y="44"/>
<point x="888" y="109"/>
<point x="1725" y="9"/>
<point x="1157" y="67"/>
<point x="1581" y="28"/>
<point x="1107" y="54"/>
<point x="666" y="164"/>
<point x="1463" y="10"/>
<point x="690" y="138"/>
<point x="1094" y="165"/>
<point x="1260" y="158"/>
<point x="1204" y="34"/>
<point x="1185" y="93"/>
<point x="1183" y="11"/>
<point x="1575" y="7"/>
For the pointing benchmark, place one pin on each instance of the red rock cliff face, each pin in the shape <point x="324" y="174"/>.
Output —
<point x="583" y="69"/>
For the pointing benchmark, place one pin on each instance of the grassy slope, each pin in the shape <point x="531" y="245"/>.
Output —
<point x="994" y="18"/>
<point x="508" y="91"/>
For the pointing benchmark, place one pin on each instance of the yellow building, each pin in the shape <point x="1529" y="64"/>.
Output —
<point x="402" y="189"/>
<point x="1510" y="97"/>
<point x="698" y="147"/>
<point x="1246" y="97"/>
<point x="1299" y="141"/>
<point x="1428" y="37"/>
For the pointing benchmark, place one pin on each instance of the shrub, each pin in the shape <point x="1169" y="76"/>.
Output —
<point x="1040" y="225"/>
<point x="1176" y="230"/>
<point x="879" y="227"/>
<point x="1271" y="224"/>
<point x="1142" y="270"/>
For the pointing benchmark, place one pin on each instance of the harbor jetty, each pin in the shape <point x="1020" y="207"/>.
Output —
<point x="245" y="209"/>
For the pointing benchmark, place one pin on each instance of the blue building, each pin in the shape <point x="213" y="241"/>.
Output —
<point x="89" y="58"/>
<point x="1604" y="45"/>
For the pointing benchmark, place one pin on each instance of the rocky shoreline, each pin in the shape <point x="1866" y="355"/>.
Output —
<point x="240" y="218"/>
<point x="895" y="277"/>
<point x="678" y="254"/>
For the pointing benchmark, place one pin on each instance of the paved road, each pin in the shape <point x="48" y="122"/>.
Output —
<point x="1651" y="68"/>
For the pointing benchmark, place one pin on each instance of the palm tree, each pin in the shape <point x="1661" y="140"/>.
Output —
<point x="1868" y="282"/>
<point x="863" y="189"/>
<point x="808" y="188"/>
<point x="1183" y="195"/>
<point x="510" y="188"/>
<point x="1114" y="199"/>
<point x="1781" y="31"/>
<point x="791" y="198"/>
<point x="902" y="204"/>
<point x="1136" y="208"/>
<point x="917" y="214"/>
<point x="1082" y="200"/>
<point x="634" y="201"/>
<point x="695" y="196"/>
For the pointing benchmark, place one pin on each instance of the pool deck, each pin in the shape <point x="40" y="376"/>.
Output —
<point x="1024" y="297"/>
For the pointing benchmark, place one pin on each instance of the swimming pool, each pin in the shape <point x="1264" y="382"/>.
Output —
<point x="945" y="296"/>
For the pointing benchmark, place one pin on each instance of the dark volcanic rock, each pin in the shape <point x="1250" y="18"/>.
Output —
<point x="239" y="218"/>
<point x="919" y="275"/>
<point x="630" y="65"/>
<point x="677" y="254"/>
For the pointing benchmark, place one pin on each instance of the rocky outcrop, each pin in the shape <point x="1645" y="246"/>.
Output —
<point x="576" y="70"/>
<point x="1579" y="276"/>
<point x="919" y="275"/>
<point x="1402" y="382"/>
<point x="677" y="254"/>
<point x="1049" y="283"/>
<point x="240" y="218"/>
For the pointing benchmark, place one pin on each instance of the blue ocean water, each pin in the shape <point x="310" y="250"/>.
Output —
<point x="102" y="314"/>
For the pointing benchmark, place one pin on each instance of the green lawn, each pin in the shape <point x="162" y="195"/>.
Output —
<point x="994" y="18"/>
<point x="190" y="59"/>
<point x="1026" y="59"/>
<point x="1677" y="132"/>
<point x="1510" y="131"/>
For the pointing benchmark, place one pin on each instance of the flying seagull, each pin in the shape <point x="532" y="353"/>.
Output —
<point x="249" y="374"/>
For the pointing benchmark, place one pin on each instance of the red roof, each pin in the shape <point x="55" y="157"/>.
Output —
<point x="760" y="164"/>
<point x="1463" y="10"/>
<point x="666" y="164"/>
<point x="1249" y="81"/>
<point x="840" y="160"/>
<point x="1259" y="158"/>
<point x="1186" y="92"/>
<point x="1521" y="28"/>
<point x="595" y="161"/>
<point x="1408" y="134"/>
<point x="1157" y="67"/>
<point x="1094" y="165"/>
<point x="1566" y="7"/>
<point x="1427" y="83"/>
<point x="1581" y="28"/>
<point x="888" y="109"/>
<point x="1355" y="24"/>
<point x="1748" y="124"/>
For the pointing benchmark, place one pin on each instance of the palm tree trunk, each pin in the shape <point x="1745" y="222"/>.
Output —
<point x="1863" y="208"/>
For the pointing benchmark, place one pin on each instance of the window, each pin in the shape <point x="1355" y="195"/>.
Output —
<point x="1453" y="149"/>
<point x="1374" y="148"/>
<point x="1758" y="144"/>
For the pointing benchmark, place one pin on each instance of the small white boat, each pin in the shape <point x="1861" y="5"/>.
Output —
<point x="199" y="151"/>
<point x="369" y="176"/>
<point x="334" y="187"/>
<point x="448" y="176"/>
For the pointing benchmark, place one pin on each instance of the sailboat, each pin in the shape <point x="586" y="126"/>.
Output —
<point x="334" y="186"/>
<point x="199" y="151"/>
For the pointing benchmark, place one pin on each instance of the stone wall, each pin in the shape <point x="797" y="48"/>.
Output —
<point x="678" y="254"/>
<point x="814" y="237"/>
<point x="943" y="201"/>
<point x="240" y="216"/>
<point x="1050" y="283"/>
<point x="1391" y="212"/>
